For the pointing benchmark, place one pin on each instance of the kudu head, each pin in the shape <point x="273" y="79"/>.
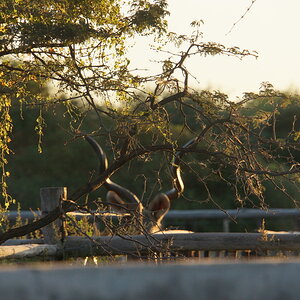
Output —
<point x="123" y="200"/>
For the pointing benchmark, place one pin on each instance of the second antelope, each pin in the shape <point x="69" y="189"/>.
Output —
<point x="124" y="201"/>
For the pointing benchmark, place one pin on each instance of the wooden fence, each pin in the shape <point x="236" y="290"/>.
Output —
<point x="227" y="216"/>
<point x="168" y="245"/>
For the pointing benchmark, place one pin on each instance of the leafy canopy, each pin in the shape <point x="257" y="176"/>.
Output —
<point x="79" y="47"/>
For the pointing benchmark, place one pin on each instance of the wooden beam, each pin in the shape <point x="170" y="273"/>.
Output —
<point x="29" y="251"/>
<point x="182" y="214"/>
<point x="102" y="245"/>
<point x="75" y="246"/>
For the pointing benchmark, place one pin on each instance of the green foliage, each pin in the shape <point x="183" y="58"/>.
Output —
<point x="271" y="109"/>
<point x="59" y="41"/>
<point x="5" y="131"/>
<point x="71" y="163"/>
<point x="240" y="153"/>
<point x="149" y="15"/>
<point x="62" y="163"/>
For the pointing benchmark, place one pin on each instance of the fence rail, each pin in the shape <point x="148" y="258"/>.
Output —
<point x="233" y="213"/>
<point x="225" y="215"/>
<point x="201" y="244"/>
<point x="184" y="214"/>
<point x="169" y="244"/>
<point x="157" y="243"/>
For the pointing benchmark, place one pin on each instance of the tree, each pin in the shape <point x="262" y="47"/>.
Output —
<point x="77" y="45"/>
<point x="83" y="55"/>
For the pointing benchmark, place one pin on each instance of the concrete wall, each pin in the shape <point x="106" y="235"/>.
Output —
<point x="224" y="281"/>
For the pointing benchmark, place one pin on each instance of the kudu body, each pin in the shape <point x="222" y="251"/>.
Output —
<point x="123" y="200"/>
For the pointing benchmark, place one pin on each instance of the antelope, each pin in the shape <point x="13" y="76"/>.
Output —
<point x="122" y="200"/>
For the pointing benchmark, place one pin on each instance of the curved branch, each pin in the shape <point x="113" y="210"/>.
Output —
<point x="102" y="179"/>
<point x="109" y="184"/>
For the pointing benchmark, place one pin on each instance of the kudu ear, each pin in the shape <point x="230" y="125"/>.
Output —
<point x="159" y="206"/>
<point x="117" y="204"/>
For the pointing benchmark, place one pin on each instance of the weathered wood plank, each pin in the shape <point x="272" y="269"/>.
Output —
<point x="107" y="245"/>
<point x="232" y="213"/>
<point x="214" y="280"/>
<point x="184" y="214"/>
<point x="15" y="242"/>
<point x="29" y="251"/>
<point x="82" y="246"/>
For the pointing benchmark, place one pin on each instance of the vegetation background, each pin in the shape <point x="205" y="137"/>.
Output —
<point x="72" y="163"/>
<point x="247" y="152"/>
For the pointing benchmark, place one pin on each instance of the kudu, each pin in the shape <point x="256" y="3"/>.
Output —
<point x="123" y="200"/>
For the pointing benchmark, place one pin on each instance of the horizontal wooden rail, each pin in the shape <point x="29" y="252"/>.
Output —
<point x="233" y="213"/>
<point x="35" y="214"/>
<point x="106" y="245"/>
<point x="214" y="280"/>
<point x="185" y="214"/>
<point x="29" y="251"/>
<point x="261" y="280"/>
<point x="81" y="246"/>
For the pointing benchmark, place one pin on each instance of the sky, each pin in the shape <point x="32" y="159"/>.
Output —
<point x="270" y="27"/>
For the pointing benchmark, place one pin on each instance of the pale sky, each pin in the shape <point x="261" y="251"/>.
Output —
<point x="271" y="28"/>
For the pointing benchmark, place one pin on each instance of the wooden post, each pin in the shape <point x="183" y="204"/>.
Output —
<point x="226" y="223"/>
<point x="50" y="199"/>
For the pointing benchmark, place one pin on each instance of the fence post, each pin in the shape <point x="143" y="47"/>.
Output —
<point x="50" y="199"/>
<point x="226" y="223"/>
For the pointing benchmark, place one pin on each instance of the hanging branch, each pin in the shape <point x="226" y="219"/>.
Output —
<point x="242" y="17"/>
